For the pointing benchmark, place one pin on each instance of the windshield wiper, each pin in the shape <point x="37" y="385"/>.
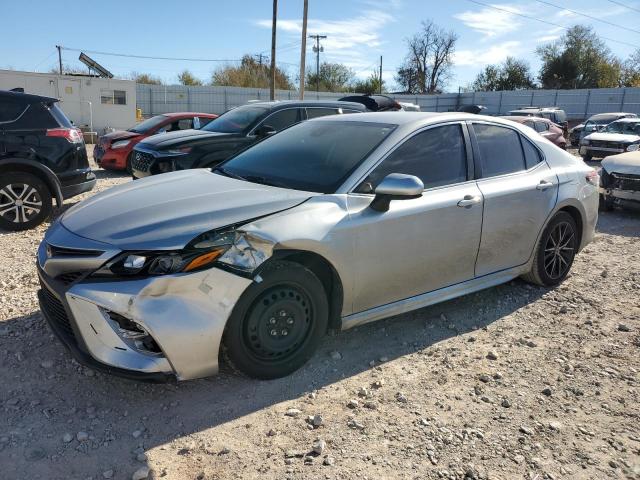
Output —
<point x="264" y="181"/>
<point x="224" y="172"/>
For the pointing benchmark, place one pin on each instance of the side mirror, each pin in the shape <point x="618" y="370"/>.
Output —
<point x="396" y="186"/>
<point x="264" y="130"/>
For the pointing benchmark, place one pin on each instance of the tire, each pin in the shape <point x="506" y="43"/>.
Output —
<point x="547" y="268"/>
<point x="587" y="158"/>
<point x="278" y="323"/>
<point x="607" y="203"/>
<point x="17" y="213"/>
<point x="128" y="167"/>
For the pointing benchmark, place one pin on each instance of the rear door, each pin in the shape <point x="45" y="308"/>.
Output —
<point x="519" y="191"/>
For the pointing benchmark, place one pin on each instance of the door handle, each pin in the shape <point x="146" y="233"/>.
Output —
<point x="544" y="184"/>
<point x="469" y="200"/>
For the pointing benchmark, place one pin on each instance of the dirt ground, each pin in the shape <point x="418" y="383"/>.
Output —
<point x="514" y="382"/>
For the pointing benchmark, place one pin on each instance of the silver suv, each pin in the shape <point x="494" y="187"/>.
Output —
<point x="329" y="224"/>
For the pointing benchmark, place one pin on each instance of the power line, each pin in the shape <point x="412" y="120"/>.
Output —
<point x="544" y="21"/>
<point x="95" y="52"/>
<point x="625" y="6"/>
<point x="588" y="16"/>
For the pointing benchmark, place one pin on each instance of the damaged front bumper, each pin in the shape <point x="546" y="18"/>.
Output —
<point x="155" y="328"/>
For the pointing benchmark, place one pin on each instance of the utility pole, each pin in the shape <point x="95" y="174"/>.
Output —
<point x="380" y="75"/>
<point x="272" y="86"/>
<point x="59" y="57"/>
<point x="303" y="52"/>
<point x="318" y="49"/>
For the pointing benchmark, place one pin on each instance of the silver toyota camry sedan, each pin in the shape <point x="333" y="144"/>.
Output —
<point x="329" y="224"/>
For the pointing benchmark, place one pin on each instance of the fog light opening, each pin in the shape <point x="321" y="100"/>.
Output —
<point x="133" y="334"/>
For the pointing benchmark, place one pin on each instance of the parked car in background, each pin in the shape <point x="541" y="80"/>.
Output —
<point x="544" y="127"/>
<point x="556" y="115"/>
<point x="475" y="109"/>
<point x="375" y="103"/>
<point x="228" y="134"/>
<point x="595" y="123"/>
<point x="409" y="107"/>
<point x="329" y="224"/>
<point x="620" y="180"/>
<point x="114" y="150"/>
<point x="42" y="157"/>
<point x="620" y="136"/>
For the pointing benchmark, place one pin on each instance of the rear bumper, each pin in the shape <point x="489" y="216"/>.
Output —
<point x="69" y="191"/>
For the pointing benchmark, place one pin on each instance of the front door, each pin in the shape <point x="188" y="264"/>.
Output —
<point x="519" y="191"/>
<point x="422" y="244"/>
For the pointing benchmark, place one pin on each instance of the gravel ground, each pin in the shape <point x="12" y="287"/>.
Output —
<point x="515" y="382"/>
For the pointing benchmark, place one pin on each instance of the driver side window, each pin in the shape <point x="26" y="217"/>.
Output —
<point x="436" y="156"/>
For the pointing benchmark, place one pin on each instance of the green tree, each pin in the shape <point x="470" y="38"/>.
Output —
<point x="512" y="74"/>
<point x="630" y="71"/>
<point x="333" y="77"/>
<point x="580" y="59"/>
<point x="369" y="85"/>
<point x="187" y="78"/>
<point x="251" y="74"/>
<point x="145" y="78"/>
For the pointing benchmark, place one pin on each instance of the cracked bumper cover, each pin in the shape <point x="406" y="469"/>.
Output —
<point x="184" y="313"/>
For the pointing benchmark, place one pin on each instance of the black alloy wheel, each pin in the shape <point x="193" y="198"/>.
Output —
<point x="277" y="323"/>
<point x="25" y="201"/>
<point x="555" y="251"/>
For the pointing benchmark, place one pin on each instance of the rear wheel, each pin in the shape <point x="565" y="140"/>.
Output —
<point x="555" y="252"/>
<point x="25" y="201"/>
<point x="278" y="323"/>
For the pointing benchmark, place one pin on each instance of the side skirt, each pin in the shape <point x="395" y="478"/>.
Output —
<point x="431" y="298"/>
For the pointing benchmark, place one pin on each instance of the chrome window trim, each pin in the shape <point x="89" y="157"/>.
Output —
<point x="350" y="190"/>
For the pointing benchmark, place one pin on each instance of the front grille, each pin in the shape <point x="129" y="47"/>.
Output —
<point x="142" y="161"/>
<point x="604" y="144"/>
<point x="56" y="312"/>
<point x="625" y="182"/>
<point x="55" y="251"/>
<point x="69" y="277"/>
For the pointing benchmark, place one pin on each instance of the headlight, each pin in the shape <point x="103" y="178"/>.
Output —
<point x="633" y="147"/>
<point x="178" y="151"/>
<point x="585" y="142"/>
<point x="234" y="249"/>
<point x="120" y="144"/>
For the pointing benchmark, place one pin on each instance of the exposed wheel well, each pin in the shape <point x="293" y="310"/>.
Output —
<point x="327" y="275"/>
<point x="577" y="217"/>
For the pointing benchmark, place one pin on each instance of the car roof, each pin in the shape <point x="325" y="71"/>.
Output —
<point x="409" y="118"/>
<point x="189" y="114"/>
<point x="614" y="115"/>
<point x="628" y="120"/>
<point x="277" y="104"/>
<point x="25" y="97"/>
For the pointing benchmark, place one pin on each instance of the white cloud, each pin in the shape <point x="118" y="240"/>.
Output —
<point x="493" y="54"/>
<point x="490" y="22"/>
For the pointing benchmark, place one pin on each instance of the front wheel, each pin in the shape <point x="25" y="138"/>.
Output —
<point x="607" y="203"/>
<point x="25" y="201"/>
<point x="128" y="167"/>
<point x="278" y="323"/>
<point x="587" y="158"/>
<point x="555" y="251"/>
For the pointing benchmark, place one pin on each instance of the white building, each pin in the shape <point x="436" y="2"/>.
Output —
<point x="88" y="101"/>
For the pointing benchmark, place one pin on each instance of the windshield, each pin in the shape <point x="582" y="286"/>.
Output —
<point x="148" y="124"/>
<point x="236" y="120"/>
<point x="629" y="128"/>
<point x="311" y="156"/>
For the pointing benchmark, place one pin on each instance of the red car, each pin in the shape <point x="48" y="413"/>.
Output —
<point x="114" y="149"/>
<point x="544" y="127"/>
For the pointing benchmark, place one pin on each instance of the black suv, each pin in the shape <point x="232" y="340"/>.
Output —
<point x="42" y="156"/>
<point x="228" y="134"/>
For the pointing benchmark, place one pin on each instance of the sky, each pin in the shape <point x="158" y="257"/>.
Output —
<point x="358" y="32"/>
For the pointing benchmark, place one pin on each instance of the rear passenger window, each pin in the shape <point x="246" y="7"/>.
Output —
<point x="437" y="156"/>
<point x="321" y="112"/>
<point x="500" y="150"/>
<point x="541" y="127"/>
<point x="9" y="111"/>
<point x="531" y="154"/>
<point x="283" y="119"/>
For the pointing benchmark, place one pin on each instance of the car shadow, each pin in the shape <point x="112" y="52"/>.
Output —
<point x="67" y="392"/>
<point x="102" y="174"/>
<point x="623" y="222"/>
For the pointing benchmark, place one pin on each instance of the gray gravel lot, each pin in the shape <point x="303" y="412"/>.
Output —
<point x="515" y="382"/>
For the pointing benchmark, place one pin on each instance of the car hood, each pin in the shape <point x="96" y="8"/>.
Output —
<point x="613" y="137"/>
<point x="120" y="135"/>
<point x="171" y="139"/>
<point x="625" y="163"/>
<point x="167" y="211"/>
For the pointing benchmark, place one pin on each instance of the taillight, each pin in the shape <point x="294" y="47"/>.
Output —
<point x="593" y="178"/>
<point x="73" y="135"/>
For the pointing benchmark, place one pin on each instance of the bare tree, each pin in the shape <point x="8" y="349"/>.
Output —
<point x="427" y="67"/>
